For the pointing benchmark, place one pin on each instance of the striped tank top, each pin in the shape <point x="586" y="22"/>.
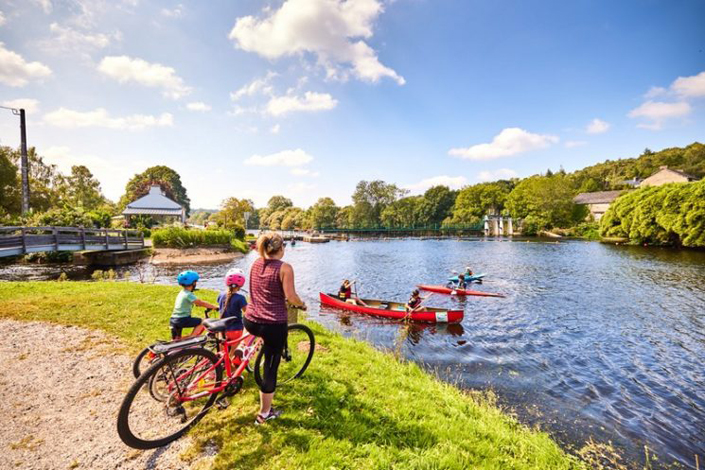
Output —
<point x="268" y="302"/>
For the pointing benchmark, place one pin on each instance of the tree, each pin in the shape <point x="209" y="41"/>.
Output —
<point x="344" y="217"/>
<point x="276" y="203"/>
<point x="438" y="203"/>
<point x="544" y="202"/>
<point x="82" y="189"/>
<point x="46" y="184"/>
<point x="167" y="179"/>
<point x="474" y="202"/>
<point x="9" y="194"/>
<point x="403" y="213"/>
<point x="232" y="212"/>
<point x="370" y="199"/>
<point x="324" y="213"/>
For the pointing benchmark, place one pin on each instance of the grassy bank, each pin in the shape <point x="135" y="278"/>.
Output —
<point x="355" y="408"/>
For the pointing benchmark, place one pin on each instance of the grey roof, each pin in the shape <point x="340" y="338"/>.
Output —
<point x="154" y="200"/>
<point x="133" y="211"/>
<point x="599" y="197"/>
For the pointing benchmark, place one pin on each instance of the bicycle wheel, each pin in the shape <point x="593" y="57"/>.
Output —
<point x="188" y="376"/>
<point x="143" y="360"/>
<point x="297" y="355"/>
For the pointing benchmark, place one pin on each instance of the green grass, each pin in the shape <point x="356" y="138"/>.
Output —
<point x="355" y="408"/>
<point x="178" y="237"/>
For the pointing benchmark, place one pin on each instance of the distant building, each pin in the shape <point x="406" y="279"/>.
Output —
<point x="634" y="182"/>
<point x="156" y="205"/>
<point x="665" y="175"/>
<point x="597" y="202"/>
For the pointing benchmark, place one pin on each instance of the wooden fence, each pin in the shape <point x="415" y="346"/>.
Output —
<point x="22" y="240"/>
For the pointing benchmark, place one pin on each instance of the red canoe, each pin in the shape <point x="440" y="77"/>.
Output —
<point x="447" y="290"/>
<point x="395" y="310"/>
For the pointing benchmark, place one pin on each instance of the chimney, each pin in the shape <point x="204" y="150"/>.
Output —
<point x="155" y="189"/>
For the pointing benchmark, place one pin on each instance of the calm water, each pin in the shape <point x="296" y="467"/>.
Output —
<point x="592" y="340"/>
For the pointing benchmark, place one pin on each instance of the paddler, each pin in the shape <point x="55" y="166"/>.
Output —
<point x="345" y="291"/>
<point x="414" y="303"/>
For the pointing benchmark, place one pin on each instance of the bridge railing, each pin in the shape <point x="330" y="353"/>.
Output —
<point x="22" y="240"/>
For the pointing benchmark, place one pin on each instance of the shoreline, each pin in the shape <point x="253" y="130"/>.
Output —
<point x="198" y="255"/>
<point x="356" y="407"/>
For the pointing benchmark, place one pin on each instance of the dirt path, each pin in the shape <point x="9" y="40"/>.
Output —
<point x="194" y="255"/>
<point x="61" y="389"/>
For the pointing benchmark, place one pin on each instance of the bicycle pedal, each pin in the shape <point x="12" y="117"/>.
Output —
<point x="222" y="403"/>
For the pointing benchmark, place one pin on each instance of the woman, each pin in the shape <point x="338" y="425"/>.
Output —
<point x="271" y="287"/>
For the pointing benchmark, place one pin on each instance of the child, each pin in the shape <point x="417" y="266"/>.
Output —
<point x="345" y="291"/>
<point x="413" y="304"/>
<point x="233" y="304"/>
<point x="463" y="280"/>
<point x="181" y="315"/>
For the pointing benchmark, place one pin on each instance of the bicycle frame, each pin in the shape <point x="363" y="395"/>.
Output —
<point x="231" y="372"/>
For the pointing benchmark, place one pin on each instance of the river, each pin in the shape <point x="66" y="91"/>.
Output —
<point x="592" y="340"/>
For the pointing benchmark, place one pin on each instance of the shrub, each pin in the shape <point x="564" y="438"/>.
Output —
<point x="239" y="245"/>
<point x="179" y="237"/>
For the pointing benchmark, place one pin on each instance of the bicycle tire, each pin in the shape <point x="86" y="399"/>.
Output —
<point x="137" y="364"/>
<point x="127" y="434"/>
<point x="284" y="374"/>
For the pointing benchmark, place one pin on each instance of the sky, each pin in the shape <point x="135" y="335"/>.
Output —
<point x="248" y="99"/>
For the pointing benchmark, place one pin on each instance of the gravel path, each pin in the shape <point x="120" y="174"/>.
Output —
<point x="61" y="389"/>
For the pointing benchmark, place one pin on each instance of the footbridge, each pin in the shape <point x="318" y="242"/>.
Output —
<point x="15" y="241"/>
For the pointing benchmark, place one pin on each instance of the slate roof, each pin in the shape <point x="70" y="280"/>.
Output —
<point x="131" y="211"/>
<point x="599" y="197"/>
<point x="154" y="200"/>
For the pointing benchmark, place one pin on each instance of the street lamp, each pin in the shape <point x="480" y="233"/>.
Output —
<point x="24" y="163"/>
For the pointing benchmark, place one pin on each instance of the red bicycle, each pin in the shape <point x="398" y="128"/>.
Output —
<point x="183" y="385"/>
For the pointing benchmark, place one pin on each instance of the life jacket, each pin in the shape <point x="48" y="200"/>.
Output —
<point x="345" y="293"/>
<point x="414" y="302"/>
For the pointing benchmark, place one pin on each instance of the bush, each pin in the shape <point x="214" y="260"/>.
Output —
<point x="672" y="214"/>
<point x="239" y="245"/>
<point x="71" y="217"/>
<point x="179" y="237"/>
<point x="587" y="230"/>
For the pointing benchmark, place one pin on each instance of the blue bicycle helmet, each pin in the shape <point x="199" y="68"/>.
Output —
<point x="186" y="278"/>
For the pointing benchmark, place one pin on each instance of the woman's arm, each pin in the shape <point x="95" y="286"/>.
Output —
<point x="287" y="277"/>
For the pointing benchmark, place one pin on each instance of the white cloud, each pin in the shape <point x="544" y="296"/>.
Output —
<point x="453" y="182"/>
<point x="46" y="5"/>
<point x="31" y="106"/>
<point x="305" y="172"/>
<point x="16" y="72"/>
<point x="71" y="119"/>
<point x="658" y="112"/>
<point x="198" y="106"/>
<point x="128" y="69"/>
<point x="597" y="126"/>
<point x="66" y="38"/>
<point x="2" y="18"/>
<point x="654" y="92"/>
<point x="311" y="101"/>
<point x="510" y="141"/>
<point x="112" y="173"/>
<point x="275" y="129"/>
<point x="501" y="174"/>
<point x="284" y="158"/>
<point x="257" y="86"/>
<point x="574" y="143"/>
<point x="333" y="30"/>
<point x="176" y="12"/>
<point x="690" y="87"/>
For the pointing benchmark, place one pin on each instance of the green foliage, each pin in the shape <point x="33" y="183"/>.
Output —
<point x="672" y="214"/>
<point x="370" y="199"/>
<point x="543" y="202"/>
<point x="474" y="202"/>
<point x="9" y="184"/>
<point x="232" y="213"/>
<point x="82" y="189"/>
<point x="340" y="414"/>
<point x="406" y="212"/>
<point x="200" y="216"/>
<point x="71" y="217"/>
<point x="167" y="179"/>
<point x="324" y="213"/>
<point x="437" y="204"/>
<point x="240" y="245"/>
<point x="586" y="230"/>
<point x="179" y="237"/>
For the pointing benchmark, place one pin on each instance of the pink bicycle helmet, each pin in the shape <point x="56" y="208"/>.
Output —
<point x="234" y="279"/>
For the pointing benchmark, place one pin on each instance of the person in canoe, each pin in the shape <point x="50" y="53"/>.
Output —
<point x="414" y="303"/>
<point x="346" y="295"/>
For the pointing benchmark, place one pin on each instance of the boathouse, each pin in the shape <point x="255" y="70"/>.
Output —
<point x="597" y="202"/>
<point x="156" y="205"/>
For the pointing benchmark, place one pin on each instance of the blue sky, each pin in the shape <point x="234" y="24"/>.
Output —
<point x="307" y="97"/>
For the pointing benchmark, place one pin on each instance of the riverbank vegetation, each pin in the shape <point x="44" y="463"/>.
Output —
<point x="672" y="214"/>
<point x="180" y="237"/>
<point x="355" y="407"/>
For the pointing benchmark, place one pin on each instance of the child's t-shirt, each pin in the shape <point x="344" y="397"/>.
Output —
<point x="184" y="304"/>
<point x="233" y="309"/>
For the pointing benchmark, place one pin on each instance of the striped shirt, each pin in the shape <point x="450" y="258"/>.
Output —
<point x="268" y="302"/>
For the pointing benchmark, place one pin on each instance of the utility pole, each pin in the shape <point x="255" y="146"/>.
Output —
<point x="25" y="163"/>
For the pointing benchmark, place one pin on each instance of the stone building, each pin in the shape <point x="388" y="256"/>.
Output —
<point x="597" y="202"/>
<point x="666" y="175"/>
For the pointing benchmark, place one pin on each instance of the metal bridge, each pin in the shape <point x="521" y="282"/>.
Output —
<point x="16" y="241"/>
<point x="414" y="230"/>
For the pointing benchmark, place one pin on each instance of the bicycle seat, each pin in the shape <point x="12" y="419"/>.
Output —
<point x="163" y="348"/>
<point x="217" y="326"/>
